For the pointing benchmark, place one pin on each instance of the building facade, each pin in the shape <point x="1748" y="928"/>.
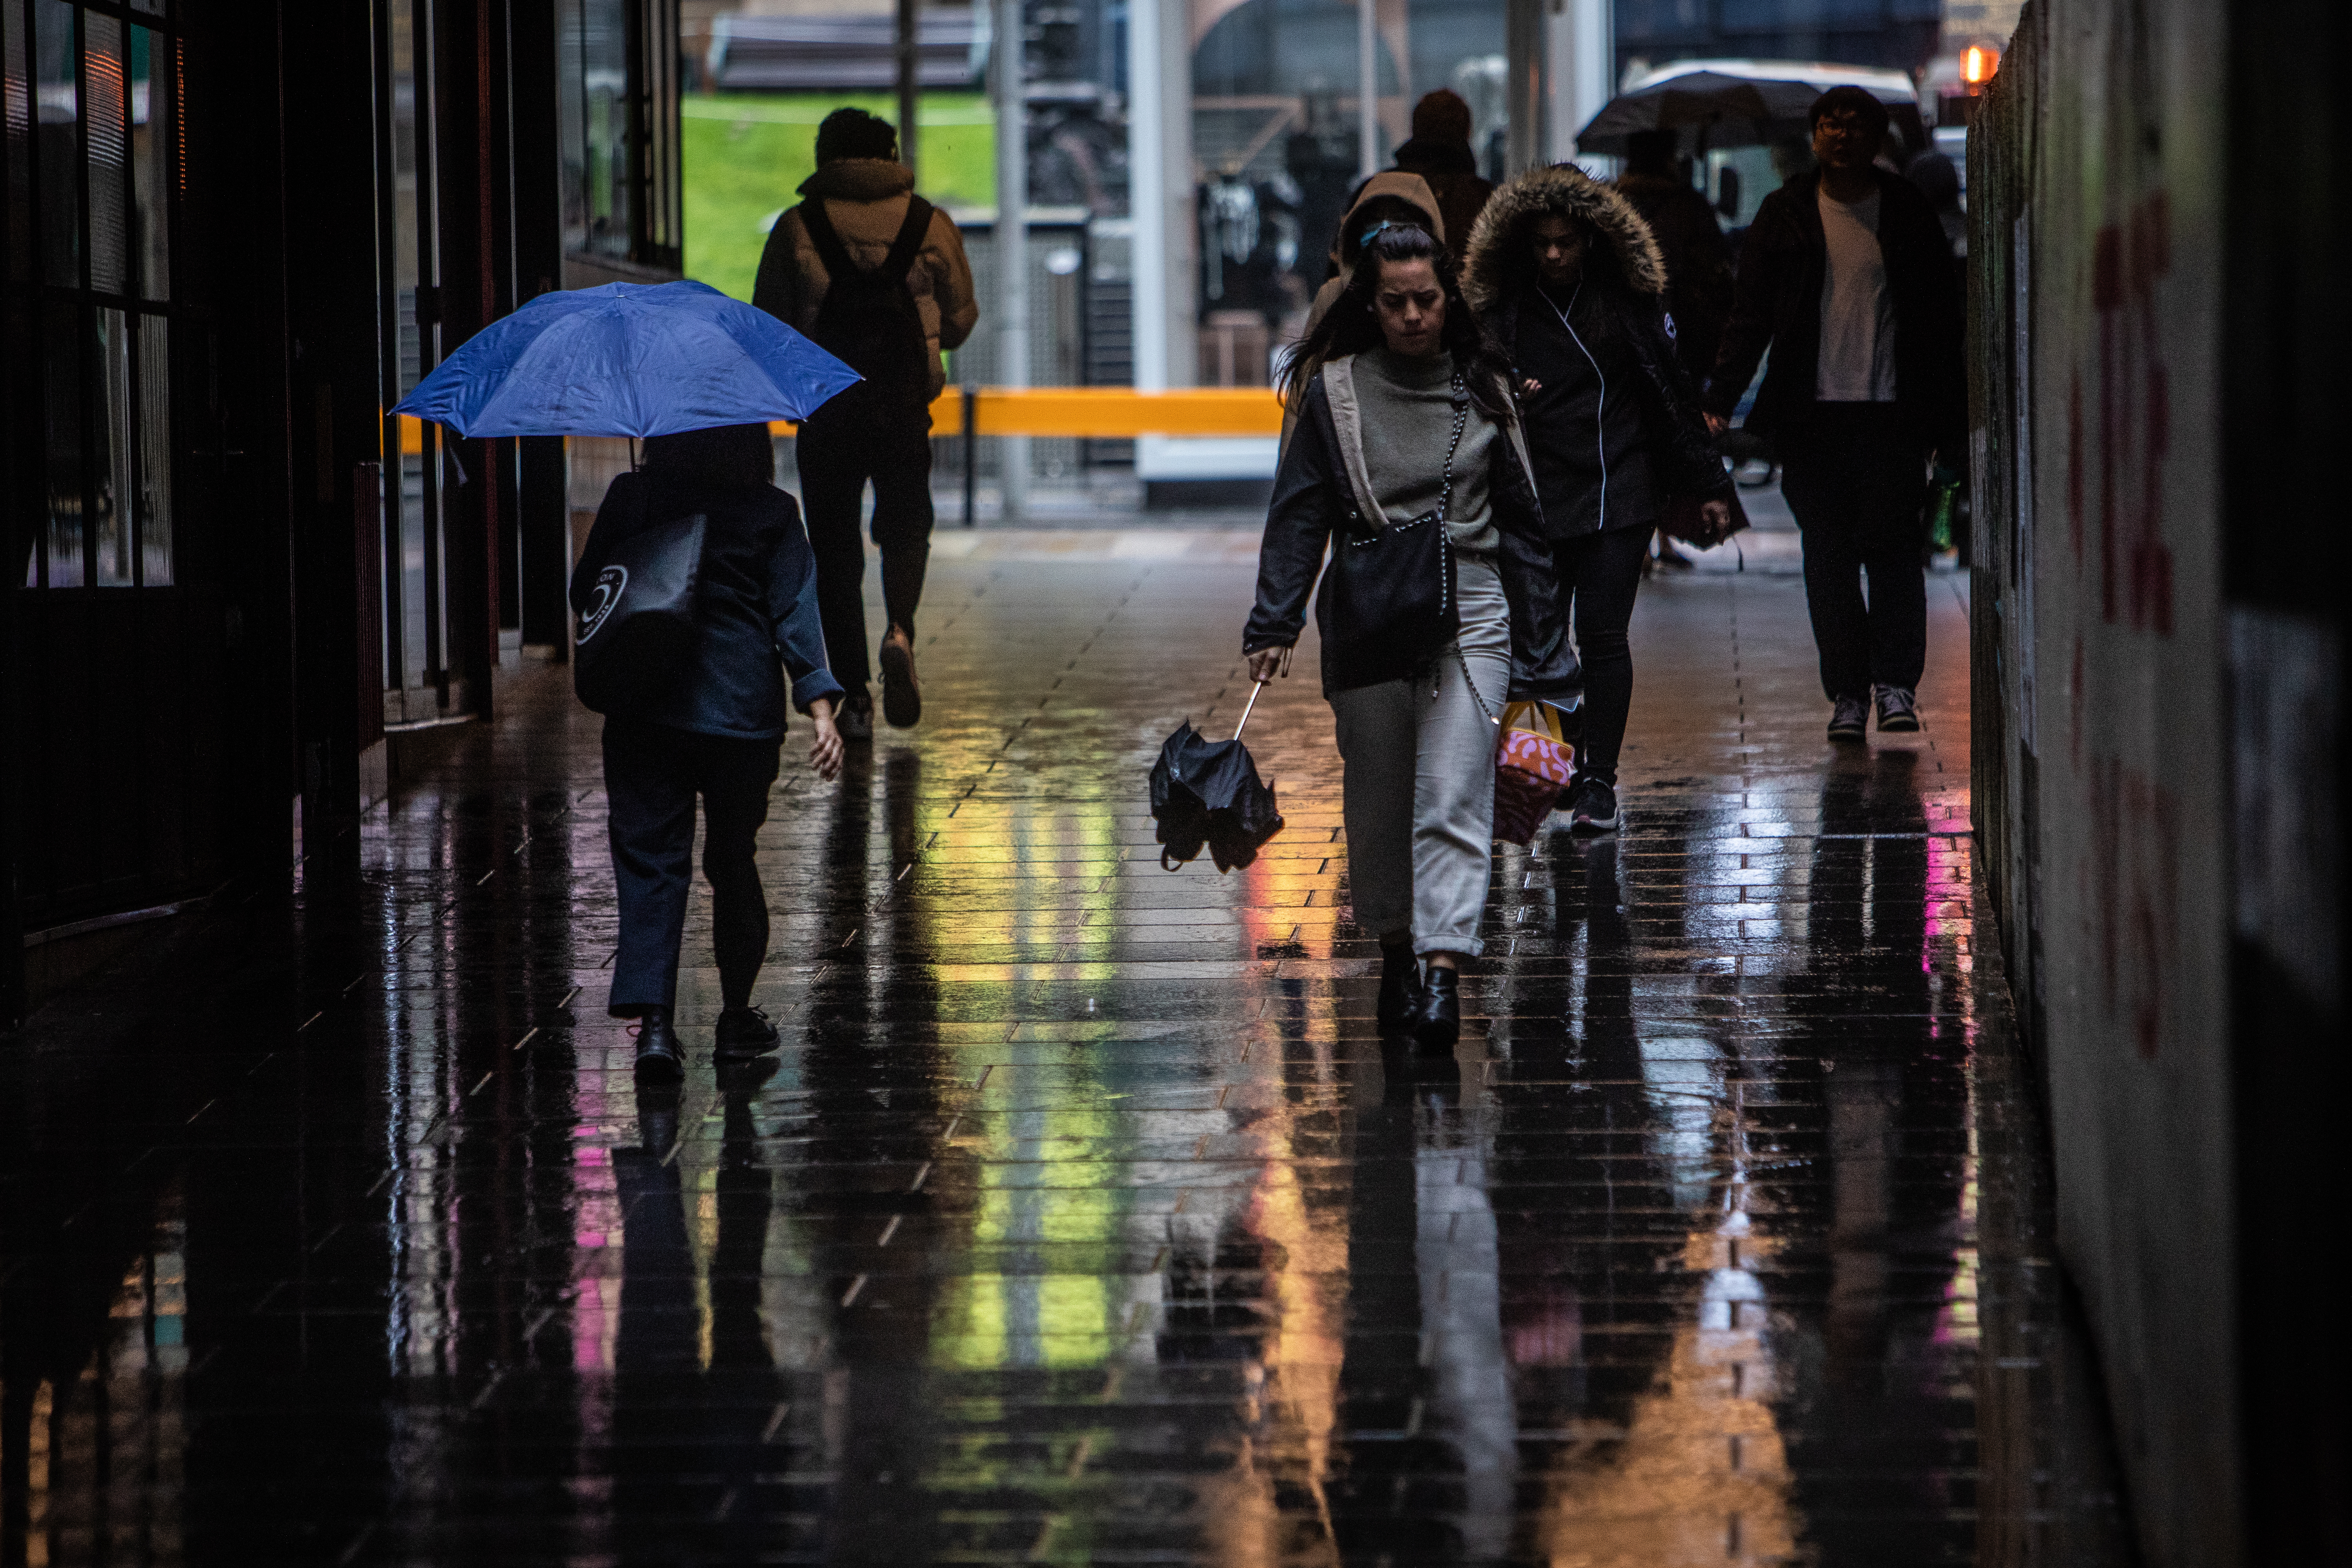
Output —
<point x="231" y="238"/>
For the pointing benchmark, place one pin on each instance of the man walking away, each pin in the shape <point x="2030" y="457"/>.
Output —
<point x="1699" y="262"/>
<point x="878" y="277"/>
<point x="1846" y="275"/>
<point x="1440" y="153"/>
<point x="1698" y="258"/>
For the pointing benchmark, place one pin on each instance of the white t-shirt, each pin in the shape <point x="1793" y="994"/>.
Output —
<point x="1857" y="357"/>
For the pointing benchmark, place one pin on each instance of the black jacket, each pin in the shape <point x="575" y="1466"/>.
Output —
<point x="1312" y="497"/>
<point x="1632" y="334"/>
<point x="1629" y="283"/>
<point x="756" y="603"/>
<point x="1777" y="302"/>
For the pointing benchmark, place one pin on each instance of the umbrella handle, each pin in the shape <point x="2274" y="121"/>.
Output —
<point x="1246" y="710"/>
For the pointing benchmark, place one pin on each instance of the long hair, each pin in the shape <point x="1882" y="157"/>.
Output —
<point x="730" y="457"/>
<point x="1352" y="325"/>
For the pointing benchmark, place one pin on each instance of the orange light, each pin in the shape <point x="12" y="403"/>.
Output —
<point x="1975" y="69"/>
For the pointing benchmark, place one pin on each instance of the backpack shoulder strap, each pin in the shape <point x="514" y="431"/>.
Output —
<point x="836" y="254"/>
<point x="909" y="243"/>
<point x="827" y="240"/>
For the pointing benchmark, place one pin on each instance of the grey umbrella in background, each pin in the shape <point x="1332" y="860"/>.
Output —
<point x="1717" y="104"/>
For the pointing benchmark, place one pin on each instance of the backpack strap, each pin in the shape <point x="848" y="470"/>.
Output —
<point x="909" y="243"/>
<point x="894" y="266"/>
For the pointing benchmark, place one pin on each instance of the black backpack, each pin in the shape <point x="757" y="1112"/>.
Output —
<point x="868" y="320"/>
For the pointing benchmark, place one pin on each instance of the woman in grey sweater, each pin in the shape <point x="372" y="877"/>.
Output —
<point x="1406" y="410"/>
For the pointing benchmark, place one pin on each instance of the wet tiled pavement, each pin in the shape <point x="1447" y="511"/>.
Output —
<point x="1084" y="1217"/>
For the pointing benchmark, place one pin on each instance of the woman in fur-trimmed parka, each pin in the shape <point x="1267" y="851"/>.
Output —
<point x="1567" y="281"/>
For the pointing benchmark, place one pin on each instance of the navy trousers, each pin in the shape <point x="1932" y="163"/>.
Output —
<point x="652" y="775"/>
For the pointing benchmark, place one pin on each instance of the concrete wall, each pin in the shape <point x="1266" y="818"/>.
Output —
<point x="2096" y="270"/>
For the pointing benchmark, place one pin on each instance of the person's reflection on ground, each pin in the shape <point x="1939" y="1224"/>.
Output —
<point x="656" y="1339"/>
<point x="1896" y="1098"/>
<point x="1575" y="1172"/>
<point x="871" y="1072"/>
<point x="664" y="1458"/>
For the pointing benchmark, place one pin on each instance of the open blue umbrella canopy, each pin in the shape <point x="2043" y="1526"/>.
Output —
<point x="627" y="359"/>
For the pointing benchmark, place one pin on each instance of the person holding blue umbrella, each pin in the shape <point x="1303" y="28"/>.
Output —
<point x="700" y="377"/>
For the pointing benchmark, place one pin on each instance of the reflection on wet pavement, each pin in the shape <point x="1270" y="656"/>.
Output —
<point x="1084" y="1217"/>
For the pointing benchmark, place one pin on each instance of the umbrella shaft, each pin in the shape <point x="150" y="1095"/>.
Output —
<point x="1246" y="710"/>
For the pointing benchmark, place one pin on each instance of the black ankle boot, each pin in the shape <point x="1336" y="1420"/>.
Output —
<point x="1435" y="1015"/>
<point x="1400" y="984"/>
<point x="659" y="1060"/>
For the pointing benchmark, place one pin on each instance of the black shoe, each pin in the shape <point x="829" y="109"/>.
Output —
<point x="1849" y="719"/>
<point x="902" y="694"/>
<point x="1400" y="984"/>
<point x="854" y="716"/>
<point x="1898" y="710"/>
<point x="745" y="1033"/>
<point x="1435" y="1016"/>
<point x="659" y="1060"/>
<point x="1592" y="806"/>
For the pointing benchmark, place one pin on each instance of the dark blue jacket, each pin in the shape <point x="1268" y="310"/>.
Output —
<point x="757" y="603"/>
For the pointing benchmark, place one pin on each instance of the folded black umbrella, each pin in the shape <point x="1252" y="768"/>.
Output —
<point x="1206" y="794"/>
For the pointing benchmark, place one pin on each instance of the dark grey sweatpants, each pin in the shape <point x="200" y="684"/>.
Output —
<point x="1419" y="795"/>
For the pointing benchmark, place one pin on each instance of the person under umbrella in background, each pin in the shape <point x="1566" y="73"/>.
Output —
<point x="1846" y="275"/>
<point x="1698" y="260"/>
<point x="1441" y="154"/>
<point x="1405" y="417"/>
<point x="910" y="299"/>
<point x="715" y="731"/>
<point x="1567" y="278"/>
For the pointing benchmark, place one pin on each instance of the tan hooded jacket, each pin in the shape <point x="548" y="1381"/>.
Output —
<point x="1348" y="245"/>
<point x="866" y="200"/>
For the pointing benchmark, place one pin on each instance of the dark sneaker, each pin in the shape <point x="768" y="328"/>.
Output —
<point x="1592" y="806"/>
<point x="660" y="1059"/>
<point x="1898" y="710"/>
<point x="1849" y="719"/>
<point x="1400" y="984"/>
<point x="1434" y="1018"/>
<point x="744" y="1033"/>
<point x="902" y="694"/>
<point x="854" y="717"/>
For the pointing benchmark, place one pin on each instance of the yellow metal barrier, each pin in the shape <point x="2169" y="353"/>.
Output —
<point x="1104" y="413"/>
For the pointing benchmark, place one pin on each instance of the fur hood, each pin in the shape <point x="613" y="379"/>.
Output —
<point x="1567" y="190"/>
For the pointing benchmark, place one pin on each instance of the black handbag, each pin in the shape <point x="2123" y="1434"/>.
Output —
<point x="1387" y="607"/>
<point x="639" y="623"/>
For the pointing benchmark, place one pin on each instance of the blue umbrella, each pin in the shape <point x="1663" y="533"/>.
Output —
<point x="627" y="359"/>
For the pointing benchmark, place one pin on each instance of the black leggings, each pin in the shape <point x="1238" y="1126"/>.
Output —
<point x="1600" y="573"/>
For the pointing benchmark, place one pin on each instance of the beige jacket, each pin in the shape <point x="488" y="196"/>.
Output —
<point x="866" y="200"/>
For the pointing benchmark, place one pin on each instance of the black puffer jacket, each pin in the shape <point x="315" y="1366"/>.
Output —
<point x="1312" y="497"/>
<point x="1628" y="283"/>
<point x="1779" y="302"/>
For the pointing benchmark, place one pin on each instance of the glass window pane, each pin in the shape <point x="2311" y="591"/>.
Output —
<point x="155" y="451"/>
<point x="152" y="7"/>
<point x="151" y="152"/>
<point x="16" y="117"/>
<point x="106" y="120"/>
<point x="61" y="412"/>
<point x="57" y="98"/>
<point x="111" y="445"/>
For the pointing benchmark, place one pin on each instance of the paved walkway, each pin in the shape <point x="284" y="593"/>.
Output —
<point x="1084" y="1217"/>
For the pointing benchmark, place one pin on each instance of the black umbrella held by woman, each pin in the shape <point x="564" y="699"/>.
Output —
<point x="1207" y="794"/>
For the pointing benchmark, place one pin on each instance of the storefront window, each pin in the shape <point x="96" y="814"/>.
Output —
<point x="89" y="145"/>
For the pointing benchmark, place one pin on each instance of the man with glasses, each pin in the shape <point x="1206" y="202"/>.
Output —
<point x="1846" y="276"/>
